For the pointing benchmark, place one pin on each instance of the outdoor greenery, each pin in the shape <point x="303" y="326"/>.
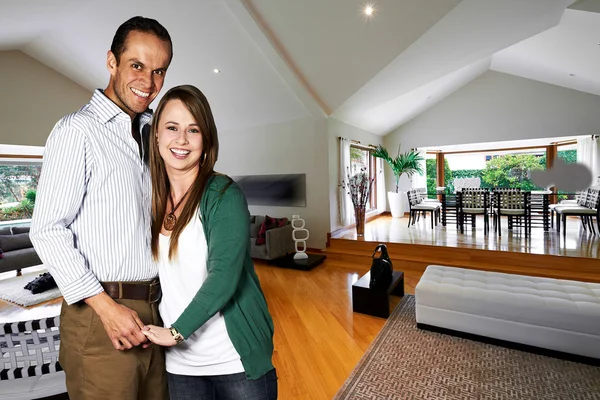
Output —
<point x="408" y="163"/>
<point x="17" y="187"/>
<point x="513" y="170"/>
<point x="431" y="174"/>
<point x="22" y="211"/>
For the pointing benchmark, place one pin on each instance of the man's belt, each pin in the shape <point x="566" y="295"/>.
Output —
<point x="146" y="291"/>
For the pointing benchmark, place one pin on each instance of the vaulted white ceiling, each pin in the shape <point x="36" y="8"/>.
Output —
<point x="287" y="59"/>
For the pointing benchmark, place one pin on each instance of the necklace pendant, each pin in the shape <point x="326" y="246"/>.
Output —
<point x="169" y="222"/>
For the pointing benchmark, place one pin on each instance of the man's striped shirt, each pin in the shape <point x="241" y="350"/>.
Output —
<point x="91" y="221"/>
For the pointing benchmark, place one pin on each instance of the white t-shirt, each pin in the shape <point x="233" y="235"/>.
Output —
<point x="209" y="350"/>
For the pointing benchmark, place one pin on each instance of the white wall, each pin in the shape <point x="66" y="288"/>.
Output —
<point x="33" y="98"/>
<point x="293" y="147"/>
<point x="499" y="107"/>
<point x="336" y="129"/>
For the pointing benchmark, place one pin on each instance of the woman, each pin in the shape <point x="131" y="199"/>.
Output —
<point x="220" y="332"/>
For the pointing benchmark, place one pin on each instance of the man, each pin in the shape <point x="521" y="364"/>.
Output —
<point x="91" y="225"/>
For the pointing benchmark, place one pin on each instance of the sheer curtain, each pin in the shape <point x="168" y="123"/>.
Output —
<point x="381" y="201"/>
<point x="345" y="208"/>
<point x="588" y="154"/>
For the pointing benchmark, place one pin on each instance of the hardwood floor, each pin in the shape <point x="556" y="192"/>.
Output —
<point x="545" y="254"/>
<point x="318" y="339"/>
<point x="577" y="243"/>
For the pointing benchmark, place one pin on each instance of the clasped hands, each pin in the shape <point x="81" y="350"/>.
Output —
<point x="124" y="327"/>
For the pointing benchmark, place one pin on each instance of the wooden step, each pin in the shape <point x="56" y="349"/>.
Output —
<point x="417" y="257"/>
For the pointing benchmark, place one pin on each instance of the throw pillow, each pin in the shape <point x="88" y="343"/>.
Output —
<point x="255" y="224"/>
<point x="269" y="223"/>
<point x="15" y="242"/>
<point x="19" y="229"/>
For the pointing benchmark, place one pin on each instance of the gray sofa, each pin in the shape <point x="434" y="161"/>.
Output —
<point x="279" y="240"/>
<point x="17" y="250"/>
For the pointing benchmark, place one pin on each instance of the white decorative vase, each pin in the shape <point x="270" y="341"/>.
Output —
<point x="397" y="203"/>
<point x="298" y="225"/>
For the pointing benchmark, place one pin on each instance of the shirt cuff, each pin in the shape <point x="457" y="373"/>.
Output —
<point x="84" y="287"/>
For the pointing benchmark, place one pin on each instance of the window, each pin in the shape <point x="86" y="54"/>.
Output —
<point x="18" y="184"/>
<point x="360" y="157"/>
<point x="567" y="153"/>
<point x="504" y="169"/>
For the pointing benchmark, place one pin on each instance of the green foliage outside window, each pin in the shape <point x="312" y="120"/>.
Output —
<point x="512" y="171"/>
<point x="431" y="175"/>
<point x="17" y="188"/>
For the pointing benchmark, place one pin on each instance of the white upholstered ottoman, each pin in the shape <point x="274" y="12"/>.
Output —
<point x="554" y="314"/>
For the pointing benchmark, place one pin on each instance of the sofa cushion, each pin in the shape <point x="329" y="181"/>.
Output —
<point x="19" y="229"/>
<point x="269" y="223"/>
<point x="15" y="242"/>
<point x="18" y="259"/>
<point x="257" y="251"/>
<point x="255" y="223"/>
<point x="5" y="230"/>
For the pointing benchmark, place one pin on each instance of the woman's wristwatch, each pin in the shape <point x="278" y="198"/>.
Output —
<point x="176" y="335"/>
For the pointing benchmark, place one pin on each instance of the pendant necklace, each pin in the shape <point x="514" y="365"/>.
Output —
<point x="170" y="218"/>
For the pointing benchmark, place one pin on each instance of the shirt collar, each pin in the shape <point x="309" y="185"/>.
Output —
<point x="106" y="109"/>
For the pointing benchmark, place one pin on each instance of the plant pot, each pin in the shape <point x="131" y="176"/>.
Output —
<point x="397" y="203"/>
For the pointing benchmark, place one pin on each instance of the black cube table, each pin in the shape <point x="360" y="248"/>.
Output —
<point x="376" y="302"/>
<point x="305" y="264"/>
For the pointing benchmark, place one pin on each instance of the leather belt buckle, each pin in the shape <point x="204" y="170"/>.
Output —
<point x="154" y="292"/>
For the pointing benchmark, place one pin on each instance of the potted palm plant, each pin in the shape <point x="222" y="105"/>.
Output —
<point x="408" y="163"/>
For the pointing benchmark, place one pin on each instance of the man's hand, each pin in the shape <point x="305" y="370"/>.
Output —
<point x="123" y="325"/>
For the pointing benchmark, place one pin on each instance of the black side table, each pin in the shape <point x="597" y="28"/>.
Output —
<point x="376" y="302"/>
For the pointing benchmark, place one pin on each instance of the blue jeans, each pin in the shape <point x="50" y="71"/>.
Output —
<point x="223" y="387"/>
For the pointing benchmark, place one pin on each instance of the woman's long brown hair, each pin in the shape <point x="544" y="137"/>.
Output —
<point x="198" y="106"/>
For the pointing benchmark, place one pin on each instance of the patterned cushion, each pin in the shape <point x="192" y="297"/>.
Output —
<point x="269" y="223"/>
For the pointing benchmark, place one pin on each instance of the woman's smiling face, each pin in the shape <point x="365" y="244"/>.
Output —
<point x="179" y="138"/>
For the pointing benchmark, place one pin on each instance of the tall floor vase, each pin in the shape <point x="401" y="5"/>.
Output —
<point x="359" y="215"/>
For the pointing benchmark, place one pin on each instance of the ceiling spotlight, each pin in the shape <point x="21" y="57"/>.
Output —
<point x="369" y="10"/>
<point x="216" y="70"/>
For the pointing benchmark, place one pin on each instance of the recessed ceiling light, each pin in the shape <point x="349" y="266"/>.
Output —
<point x="369" y="10"/>
<point x="216" y="70"/>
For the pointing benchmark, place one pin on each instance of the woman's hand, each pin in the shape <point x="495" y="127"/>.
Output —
<point x="159" y="335"/>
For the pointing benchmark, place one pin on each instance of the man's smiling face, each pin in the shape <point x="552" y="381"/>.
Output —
<point x="138" y="76"/>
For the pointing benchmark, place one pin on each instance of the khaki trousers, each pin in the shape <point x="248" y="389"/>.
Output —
<point x="95" y="370"/>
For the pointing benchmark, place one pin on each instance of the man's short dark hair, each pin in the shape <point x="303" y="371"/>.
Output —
<point x="140" y="24"/>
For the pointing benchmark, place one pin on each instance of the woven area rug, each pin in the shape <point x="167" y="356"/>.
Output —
<point x="11" y="289"/>
<point x="404" y="362"/>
